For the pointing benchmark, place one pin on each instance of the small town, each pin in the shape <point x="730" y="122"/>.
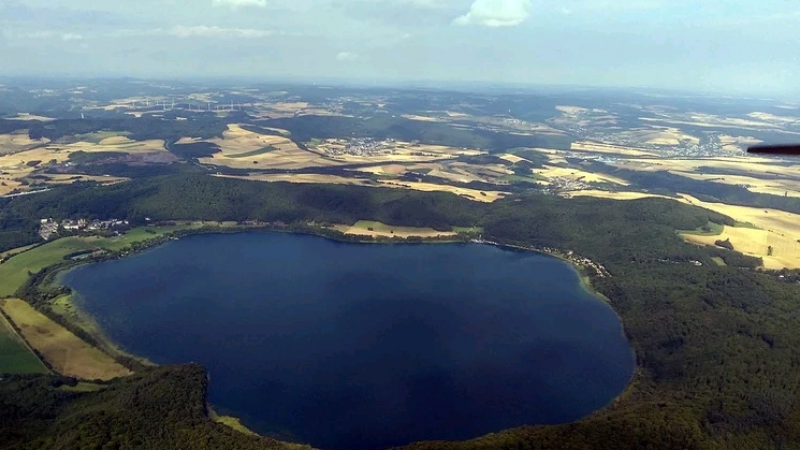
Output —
<point x="50" y="226"/>
<point x="365" y="147"/>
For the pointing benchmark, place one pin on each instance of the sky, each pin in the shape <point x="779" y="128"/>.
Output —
<point x="731" y="46"/>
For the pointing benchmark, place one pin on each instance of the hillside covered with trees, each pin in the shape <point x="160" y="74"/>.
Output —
<point x="715" y="345"/>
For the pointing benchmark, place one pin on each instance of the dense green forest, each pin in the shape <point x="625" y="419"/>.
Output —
<point x="715" y="345"/>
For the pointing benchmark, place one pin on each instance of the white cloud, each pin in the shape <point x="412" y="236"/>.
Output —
<point x="235" y="4"/>
<point x="71" y="37"/>
<point x="204" y="31"/>
<point x="346" y="56"/>
<point x="496" y="13"/>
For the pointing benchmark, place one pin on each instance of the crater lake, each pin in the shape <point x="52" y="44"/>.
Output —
<point x="366" y="346"/>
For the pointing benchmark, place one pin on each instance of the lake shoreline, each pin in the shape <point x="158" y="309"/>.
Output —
<point x="81" y="318"/>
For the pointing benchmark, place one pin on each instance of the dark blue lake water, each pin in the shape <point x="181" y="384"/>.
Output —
<point x="358" y="346"/>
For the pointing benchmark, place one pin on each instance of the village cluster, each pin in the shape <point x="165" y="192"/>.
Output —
<point x="50" y="226"/>
<point x="366" y="147"/>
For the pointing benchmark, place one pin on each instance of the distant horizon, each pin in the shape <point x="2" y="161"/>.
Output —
<point x="736" y="47"/>
<point x="389" y="83"/>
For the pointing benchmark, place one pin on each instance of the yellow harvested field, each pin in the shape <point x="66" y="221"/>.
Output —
<point x="781" y="187"/>
<point x="236" y="140"/>
<point x="279" y="130"/>
<point x="669" y="136"/>
<point x="755" y="165"/>
<point x="785" y="250"/>
<point x="246" y="149"/>
<point x="456" y="114"/>
<point x="472" y="194"/>
<point x="14" y="165"/>
<point x="68" y="354"/>
<point x="767" y="117"/>
<point x="26" y="116"/>
<point x="188" y="140"/>
<point x="302" y="178"/>
<point x="396" y="151"/>
<point x="454" y="176"/>
<point x="111" y="144"/>
<point x="283" y="158"/>
<point x="599" y="147"/>
<point x="512" y="158"/>
<point x="386" y="169"/>
<point x="614" y="195"/>
<point x="711" y="121"/>
<point x="19" y="141"/>
<point x="288" y="106"/>
<point x="778" y="229"/>
<point x="571" y="109"/>
<point x="7" y="185"/>
<point x="578" y="175"/>
<point x="421" y="118"/>
<point x="378" y="229"/>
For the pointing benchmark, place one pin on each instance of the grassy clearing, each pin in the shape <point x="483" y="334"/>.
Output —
<point x="100" y="136"/>
<point x="14" y="272"/>
<point x="372" y="228"/>
<point x="468" y="229"/>
<point x="710" y="229"/>
<point x="65" y="352"/>
<point x="232" y="422"/>
<point x="15" y="356"/>
<point x="718" y="261"/>
<point x="14" y="251"/>
<point x="83" y="386"/>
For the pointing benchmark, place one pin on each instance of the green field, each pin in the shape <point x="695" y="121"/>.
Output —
<point x="719" y="261"/>
<point x="97" y="137"/>
<point x="520" y="179"/>
<point x="14" y="251"/>
<point x="468" y="229"/>
<point x="15" y="357"/>
<point x="83" y="386"/>
<point x="14" y="272"/>
<point x="710" y="229"/>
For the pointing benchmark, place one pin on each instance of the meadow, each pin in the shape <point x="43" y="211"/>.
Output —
<point x="15" y="356"/>
<point x="65" y="352"/>
<point x="373" y="228"/>
<point x="14" y="272"/>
